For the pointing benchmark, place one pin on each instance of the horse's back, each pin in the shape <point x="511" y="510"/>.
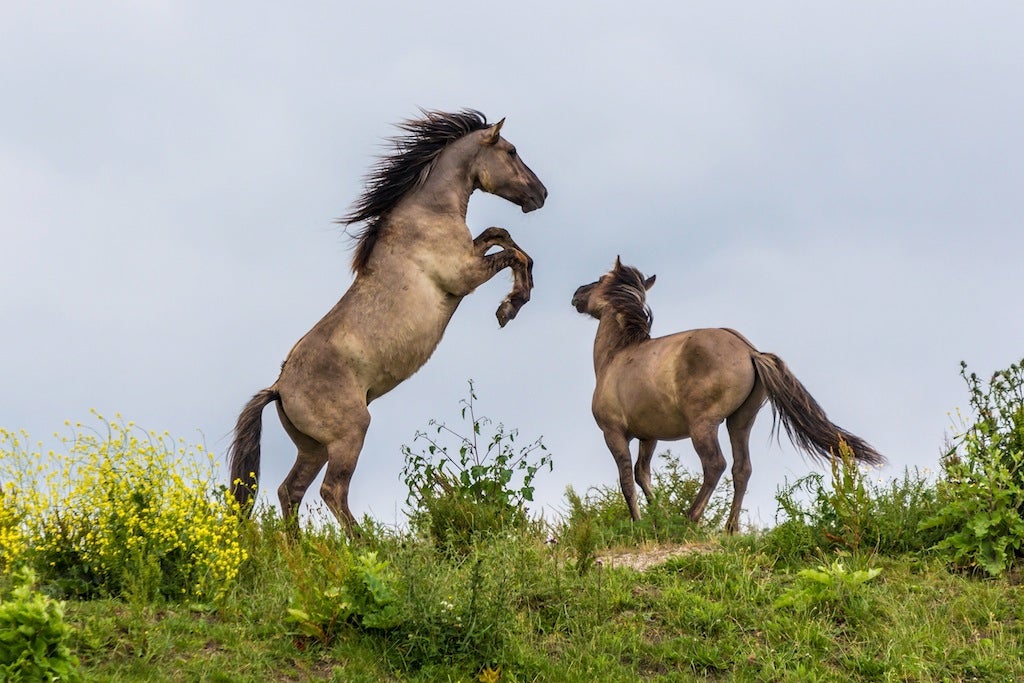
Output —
<point x="709" y="351"/>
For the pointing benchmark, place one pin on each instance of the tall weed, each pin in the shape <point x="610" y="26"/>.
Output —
<point x="468" y="485"/>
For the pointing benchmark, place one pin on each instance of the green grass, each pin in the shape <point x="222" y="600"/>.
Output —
<point x="858" y="581"/>
<point x="703" y="616"/>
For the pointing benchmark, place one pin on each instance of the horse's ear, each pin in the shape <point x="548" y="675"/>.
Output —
<point x="493" y="133"/>
<point x="649" y="282"/>
<point x="618" y="263"/>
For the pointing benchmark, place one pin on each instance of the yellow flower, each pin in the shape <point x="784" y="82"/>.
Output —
<point x="489" y="675"/>
<point x="108" y="494"/>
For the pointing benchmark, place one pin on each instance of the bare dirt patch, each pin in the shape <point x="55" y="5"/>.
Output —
<point x="641" y="559"/>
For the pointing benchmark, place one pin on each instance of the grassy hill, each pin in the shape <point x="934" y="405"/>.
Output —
<point x="518" y="609"/>
<point x="124" y="559"/>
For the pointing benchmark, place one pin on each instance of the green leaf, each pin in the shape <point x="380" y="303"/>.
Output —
<point x="980" y="525"/>
<point x="298" y="615"/>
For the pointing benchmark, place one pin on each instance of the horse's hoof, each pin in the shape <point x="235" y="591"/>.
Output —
<point x="506" y="311"/>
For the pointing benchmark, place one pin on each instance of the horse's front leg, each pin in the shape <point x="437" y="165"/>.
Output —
<point x="511" y="256"/>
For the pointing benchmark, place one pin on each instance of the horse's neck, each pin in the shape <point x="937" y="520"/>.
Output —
<point x="608" y="342"/>
<point x="447" y="187"/>
<point x="434" y="212"/>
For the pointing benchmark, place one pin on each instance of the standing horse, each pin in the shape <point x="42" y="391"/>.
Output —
<point x="686" y="385"/>
<point x="414" y="261"/>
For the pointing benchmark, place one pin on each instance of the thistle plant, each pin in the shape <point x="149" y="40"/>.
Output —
<point x="119" y="511"/>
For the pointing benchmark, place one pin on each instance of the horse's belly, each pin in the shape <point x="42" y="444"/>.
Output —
<point x="395" y="368"/>
<point x="640" y="414"/>
<point x="658" y="424"/>
<point x="406" y="342"/>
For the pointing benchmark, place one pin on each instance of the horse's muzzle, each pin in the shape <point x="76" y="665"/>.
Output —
<point x="580" y="298"/>
<point x="534" y="198"/>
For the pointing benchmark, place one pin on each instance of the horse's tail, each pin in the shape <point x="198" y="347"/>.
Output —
<point x="244" y="453"/>
<point x="805" y="422"/>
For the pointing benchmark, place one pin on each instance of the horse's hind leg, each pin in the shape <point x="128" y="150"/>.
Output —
<point x="618" y="444"/>
<point x="307" y="465"/>
<point x="705" y="442"/>
<point x="342" y="454"/>
<point x="739" y="425"/>
<point x="643" y="467"/>
<point x="310" y="460"/>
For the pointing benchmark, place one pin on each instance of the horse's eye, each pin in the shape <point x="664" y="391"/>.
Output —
<point x="512" y="152"/>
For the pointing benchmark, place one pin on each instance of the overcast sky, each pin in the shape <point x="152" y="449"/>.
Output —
<point x="844" y="185"/>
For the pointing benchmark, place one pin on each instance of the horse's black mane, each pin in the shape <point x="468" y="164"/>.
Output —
<point x="399" y="172"/>
<point x="627" y="296"/>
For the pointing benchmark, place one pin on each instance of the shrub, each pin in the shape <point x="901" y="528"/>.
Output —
<point x="121" y="512"/>
<point x="982" y="493"/>
<point x="33" y="636"/>
<point x="458" y="498"/>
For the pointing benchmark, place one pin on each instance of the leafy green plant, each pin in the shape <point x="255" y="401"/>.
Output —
<point x="981" y="520"/>
<point x="33" y="636"/>
<point x="337" y="588"/>
<point x="830" y="589"/>
<point x="848" y="500"/>
<point x="463" y="609"/>
<point x="370" y="592"/>
<point x="476" y="487"/>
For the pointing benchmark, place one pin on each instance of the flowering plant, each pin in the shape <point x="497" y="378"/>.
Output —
<point x="119" y="511"/>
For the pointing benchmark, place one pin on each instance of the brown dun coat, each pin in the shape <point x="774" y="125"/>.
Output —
<point x="686" y="385"/>
<point x="415" y="259"/>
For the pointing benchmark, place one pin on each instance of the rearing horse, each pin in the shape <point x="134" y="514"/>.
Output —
<point x="686" y="385"/>
<point x="414" y="261"/>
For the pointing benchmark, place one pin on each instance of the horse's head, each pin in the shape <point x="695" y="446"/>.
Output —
<point x="624" y="288"/>
<point x="582" y="298"/>
<point x="499" y="170"/>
